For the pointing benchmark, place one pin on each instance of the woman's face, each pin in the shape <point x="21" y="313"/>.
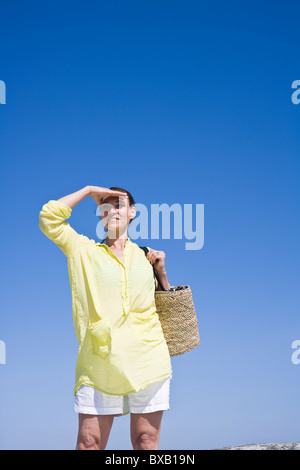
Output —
<point x="116" y="213"/>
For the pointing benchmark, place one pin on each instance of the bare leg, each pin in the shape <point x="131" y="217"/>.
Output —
<point x="145" y="430"/>
<point x="93" y="432"/>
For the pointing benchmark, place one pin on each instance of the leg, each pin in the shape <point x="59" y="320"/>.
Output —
<point x="145" y="430"/>
<point x="93" y="432"/>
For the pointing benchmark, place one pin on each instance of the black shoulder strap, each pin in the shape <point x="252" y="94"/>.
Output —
<point x="155" y="274"/>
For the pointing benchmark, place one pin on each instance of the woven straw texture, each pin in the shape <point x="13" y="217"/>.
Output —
<point x="178" y="319"/>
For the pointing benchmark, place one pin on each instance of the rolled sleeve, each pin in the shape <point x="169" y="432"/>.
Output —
<point x="52" y="222"/>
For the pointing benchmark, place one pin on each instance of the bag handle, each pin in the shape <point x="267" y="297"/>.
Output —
<point x="155" y="274"/>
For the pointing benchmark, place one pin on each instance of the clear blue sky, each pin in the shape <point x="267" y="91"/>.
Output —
<point x="179" y="102"/>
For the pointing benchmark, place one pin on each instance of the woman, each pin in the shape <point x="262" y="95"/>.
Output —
<point x="123" y="362"/>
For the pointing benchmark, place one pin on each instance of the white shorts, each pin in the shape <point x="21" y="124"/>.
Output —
<point x="154" y="397"/>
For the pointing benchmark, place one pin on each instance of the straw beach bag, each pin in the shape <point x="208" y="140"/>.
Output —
<point x="175" y="308"/>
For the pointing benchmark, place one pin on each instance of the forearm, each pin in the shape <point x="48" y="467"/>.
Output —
<point x="73" y="199"/>
<point x="164" y="280"/>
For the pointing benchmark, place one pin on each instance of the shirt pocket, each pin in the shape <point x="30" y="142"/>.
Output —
<point x="101" y="337"/>
<point x="147" y="328"/>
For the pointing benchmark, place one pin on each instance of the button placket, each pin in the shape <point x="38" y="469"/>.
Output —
<point x="124" y="283"/>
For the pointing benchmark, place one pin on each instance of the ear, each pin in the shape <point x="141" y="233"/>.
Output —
<point x="132" y="212"/>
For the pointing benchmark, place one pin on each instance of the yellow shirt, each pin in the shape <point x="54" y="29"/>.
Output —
<point x="121" y="344"/>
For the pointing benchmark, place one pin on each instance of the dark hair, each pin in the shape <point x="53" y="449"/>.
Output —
<point x="131" y="200"/>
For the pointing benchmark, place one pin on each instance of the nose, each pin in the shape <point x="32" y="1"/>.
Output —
<point x="114" y="214"/>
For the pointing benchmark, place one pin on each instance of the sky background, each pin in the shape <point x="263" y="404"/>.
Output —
<point x="182" y="102"/>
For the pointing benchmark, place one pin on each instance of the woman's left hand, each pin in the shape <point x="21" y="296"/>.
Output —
<point x="157" y="259"/>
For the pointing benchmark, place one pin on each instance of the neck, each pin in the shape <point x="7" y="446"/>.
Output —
<point x="117" y="242"/>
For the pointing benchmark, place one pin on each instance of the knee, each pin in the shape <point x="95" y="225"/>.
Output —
<point x="88" y="443"/>
<point x="145" y="441"/>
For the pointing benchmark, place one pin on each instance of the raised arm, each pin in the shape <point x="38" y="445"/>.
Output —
<point x="73" y="199"/>
<point x="52" y="217"/>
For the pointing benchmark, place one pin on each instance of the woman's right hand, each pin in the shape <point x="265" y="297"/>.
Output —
<point x="98" y="193"/>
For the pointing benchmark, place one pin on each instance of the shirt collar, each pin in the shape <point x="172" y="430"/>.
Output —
<point x="104" y="241"/>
